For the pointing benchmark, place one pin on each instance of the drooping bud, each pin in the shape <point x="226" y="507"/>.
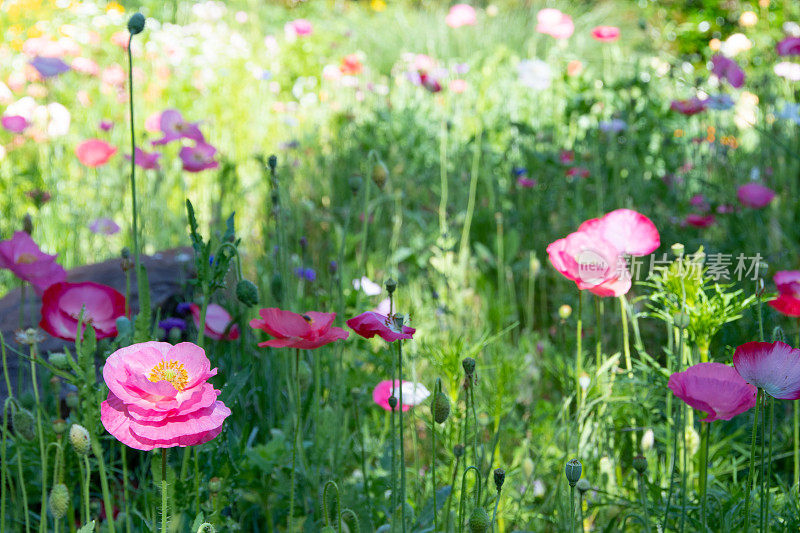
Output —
<point x="441" y="407"/>
<point x="27" y="224"/>
<point x="355" y="183"/>
<point x="272" y="162"/>
<point x="468" y="363"/>
<point x="247" y="292"/>
<point x="640" y="464"/>
<point x="79" y="437"/>
<point x="564" y="312"/>
<point x="681" y="320"/>
<point x="59" y="501"/>
<point x="136" y="23"/>
<point x="379" y="174"/>
<point x="499" y="478"/>
<point x="24" y="423"/>
<point x="458" y="450"/>
<point x="777" y="335"/>
<point x="573" y="471"/>
<point x="478" y="521"/>
<point x="59" y="426"/>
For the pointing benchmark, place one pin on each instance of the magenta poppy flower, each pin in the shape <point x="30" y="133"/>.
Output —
<point x="755" y="195"/>
<point x="217" y="322"/>
<point x="49" y="67"/>
<point x="714" y="388"/>
<point x="14" y="123"/>
<point x="567" y="157"/>
<point x="790" y="46"/>
<point x="788" y="300"/>
<point x="292" y="330"/>
<point x="772" y="366"/>
<point x="389" y="329"/>
<point x="299" y="27"/>
<point x="198" y="158"/>
<point x="688" y="107"/>
<point x="145" y="160"/>
<point x="605" y="34"/>
<point x="526" y="182"/>
<point x="21" y="255"/>
<point x="94" y="152"/>
<point x="727" y="69"/>
<point x="554" y="23"/>
<point x="577" y="172"/>
<point x="461" y="15"/>
<point x="62" y="303"/>
<point x="700" y="202"/>
<point x="700" y="221"/>
<point x="174" y="127"/>
<point x="104" y="226"/>
<point x="413" y="393"/>
<point x="159" y="396"/>
<point x="106" y="125"/>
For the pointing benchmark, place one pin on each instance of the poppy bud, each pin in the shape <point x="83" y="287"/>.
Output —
<point x="379" y="174"/>
<point x="640" y="464"/>
<point x="499" y="478"/>
<point x="59" y="426"/>
<point x="247" y="292"/>
<point x="760" y="287"/>
<point x="124" y="327"/>
<point x="327" y="529"/>
<point x="27" y="224"/>
<point x="136" y="23"/>
<point x="59" y="501"/>
<point x="391" y="285"/>
<point x="468" y="363"/>
<point x="564" y="312"/>
<point x="583" y="486"/>
<point x="214" y="485"/>
<point x="441" y="407"/>
<point x="677" y="249"/>
<point x="72" y="400"/>
<point x="272" y="162"/>
<point x="478" y="521"/>
<point x="573" y="471"/>
<point x="24" y="424"/>
<point x="60" y="360"/>
<point x="458" y="450"/>
<point x="175" y="335"/>
<point x="79" y="437"/>
<point x="392" y="402"/>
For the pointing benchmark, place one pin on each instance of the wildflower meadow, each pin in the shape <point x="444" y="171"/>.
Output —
<point x="400" y="266"/>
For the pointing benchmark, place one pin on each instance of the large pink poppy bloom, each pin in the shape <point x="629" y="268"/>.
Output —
<point x="174" y="127"/>
<point x="22" y="256"/>
<point x="788" y="300"/>
<point x="688" y="107"/>
<point x="62" y="303"/>
<point x="726" y="68"/>
<point x="292" y="330"/>
<point x="628" y="230"/>
<point x="94" y="152"/>
<point x="217" y="322"/>
<point x="714" y="388"/>
<point x="413" y="394"/>
<point x="789" y="47"/>
<point x="605" y="34"/>
<point x="159" y="396"/>
<point x="755" y="195"/>
<point x="371" y="323"/>
<point x="554" y="23"/>
<point x="772" y="366"/>
<point x="198" y="158"/>
<point x="461" y="15"/>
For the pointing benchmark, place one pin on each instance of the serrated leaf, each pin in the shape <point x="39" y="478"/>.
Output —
<point x="198" y="521"/>
<point x="87" y="528"/>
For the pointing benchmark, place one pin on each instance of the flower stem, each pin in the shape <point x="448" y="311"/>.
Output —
<point x="626" y="343"/>
<point x="578" y="355"/>
<point x="494" y="513"/>
<point x="97" y="450"/>
<point x="402" y="447"/>
<point x="86" y="485"/>
<point x="769" y="460"/>
<point x="133" y="164"/>
<point x="436" y="389"/>
<point x="704" y="427"/>
<point x="572" y="508"/>
<point x="164" y="506"/>
<point x="123" y="455"/>
<point x="294" y="438"/>
<point x="40" y="437"/>
<point x="752" y="465"/>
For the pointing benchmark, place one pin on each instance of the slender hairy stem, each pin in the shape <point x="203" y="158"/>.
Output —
<point x="475" y="426"/>
<point x="461" y="506"/>
<point x="124" y="457"/>
<point x="86" y="485"/>
<point x="494" y="513"/>
<point x="164" y="503"/>
<point x="769" y="459"/>
<point x="450" y="496"/>
<point x="133" y="164"/>
<point x="294" y="438"/>
<point x="704" y="427"/>
<point x="626" y="344"/>
<point x="23" y="491"/>
<point x="40" y="437"/>
<point x="752" y="465"/>
<point x="572" y="508"/>
<point x="578" y="354"/>
<point x="433" y="448"/>
<point x="402" y="447"/>
<point x="97" y="450"/>
<point x="763" y="479"/>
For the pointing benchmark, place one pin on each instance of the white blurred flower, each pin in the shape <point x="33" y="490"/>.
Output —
<point x="538" y="488"/>
<point x="735" y="44"/>
<point x="647" y="440"/>
<point x="791" y="29"/>
<point x="535" y="73"/>
<point x="53" y="119"/>
<point x="414" y="393"/>
<point x="24" y="107"/>
<point x="788" y="70"/>
<point x="369" y="287"/>
<point x="209" y="10"/>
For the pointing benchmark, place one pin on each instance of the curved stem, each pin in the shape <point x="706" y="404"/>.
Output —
<point x="494" y="513"/>
<point x="436" y="390"/>
<point x="464" y="493"/>
<point x="402" y="447"/>
<point x="752" y="465"/>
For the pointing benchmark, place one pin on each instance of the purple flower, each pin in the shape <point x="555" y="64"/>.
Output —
<point x="104" y="226"/>
<point x="174" y="127"/>
<point x="106" y="125"/>
<point x="198" y="158"/>
<point x="172" y="322"/>
<point x="183" y="308"/>
<point x="49" y="67"/>
<point x="307" y="274"/>
<point x="14" y="123"/>
<point x="613" y="126"/>
<point x="727" y="69"/>
<point x="145" y="160"/>
<point x="719" y="102"/>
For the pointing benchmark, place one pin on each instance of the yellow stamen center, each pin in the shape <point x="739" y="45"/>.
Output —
<point x="171" y="371"/>
<point x="26" y="259"/>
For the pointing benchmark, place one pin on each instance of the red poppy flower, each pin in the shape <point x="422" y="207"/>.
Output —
<point x="688" y="107"/>
<point x="62" y="303"/>
<point x="217" y="321"/>
<point x="292" y="330"/>
<point x="700" y="221"/>
<point x="605" y="34"/>
<point x="388" y="328"/>
<point x="788" y="300"/>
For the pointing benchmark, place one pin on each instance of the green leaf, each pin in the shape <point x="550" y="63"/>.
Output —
<point x="87" y="528"/>
<point x="198" y="521"/>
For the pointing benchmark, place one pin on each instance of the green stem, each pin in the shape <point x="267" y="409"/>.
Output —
<point x="126" y="510"/>
<point x="164" y="493"/>
<point x="201" y="331"/>
<point x="3" y="464"/>
<point x="769" y="460"/>
<point x="572" y="507"/>
<point x="598" y="318"/>
<point x="86" y="485"/>
<point x="23" y="491"/>
<point x="294" y="439"/>
<point x="762" y="507"/>
<point x="443" y="180"/>
<point x="643" y="497"/>
<point x="474" y="424"/>
<point x="752" y="465"/>
<point x="436" y="389"/>
<point x="494" y="513"/>
<point x="704" y="427"/>
<point x="578" y="354"/>
<point x="464" y="493"/>
<point x="133" y="164"/>
<point x="97" y="450"/>
<point x="402" y="447"/>
<point x="473" y="186"/>
<point x="40" y="437"/>
<point x="450" y="496"/>
<point x="626" y="344"/>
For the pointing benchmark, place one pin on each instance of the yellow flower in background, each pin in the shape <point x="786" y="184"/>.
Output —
<point x="715" y="44"/>
<point x="378" y="5"/>
<point x="34" y="31"/>
<point x="113" y="6"/>
<point x="17" y="8"/>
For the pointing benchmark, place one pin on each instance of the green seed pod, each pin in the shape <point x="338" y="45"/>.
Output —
<point x="583" y="485"/>
<point x="681" y="320"/>
<point x="327" y="529"/>
<point x="272" y="162"/>
<point x="247" y="292"/>
<point x="441" y="408"/>
<point x="214" y="485"/>
<point x="79" y="437"/>
<point x="391" y="285"/>
<point x="478" y="521"/>
<point x="458" y="450"/>
<point x="499" y="478"/>
<point x="59" y="426"/>
<point x="677" y="249"/>
<point x="205" y="527"/>
<point x="379" y="174"/>
<point x="573" y="471"/>
<point x="24" y="423"/>
<point x="640" y="464"/>
<point x="355" y="183"/>
<point x="59" y="501"/>
<point x="60" y="360"/>
<point x="468" y="363"/>
<point x="392" y="401"/>
<point x="136" y="23"/>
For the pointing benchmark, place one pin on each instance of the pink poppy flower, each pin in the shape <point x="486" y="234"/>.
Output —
<point x="351" y="65"/>
<point x="790" y="46"/>
<point x="755" y="195"/>
<point x="198" y="158"/>
<point x="579" y="172"/>
<point x="104" y="226"/>
<point x="788" y="300"/>
<point x="629" y="231"/>
<point x="106" y="125"/>
<point x="299" y="28"/>
<point x="217" y="322"/>
<point x="688" y="107"/>
<point x="726" y="68"/>
<point x="413" y="393"/>
<point x="159" y="396"/>
<point x="526" y="182"/>
<point x="458" y="86"/>
<point x="714" y="388"/>
<point x="173" y="127"/>
<point x="84" y="65"/>
<point x="22" y="256"/>
<point x="145" y="160"/>
<point x="292" y="330"/>
<point x="14" y="123"/>
<point x="554" y="23"/>
<point x="605" y="34"/>
<point x="772" y="366"/>
<point x="461" y="15"/>
<point x="94" y="152"/>
<point x="62" y="303"/>
<point x="700" y="221"/>
<point x="567" y="157"/>
<point x="389" y="329"/>
<point x="152" y="123"/>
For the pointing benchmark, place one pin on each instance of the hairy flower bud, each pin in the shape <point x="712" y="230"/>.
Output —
<point x="441" y="407"/>
<point x="379" y="174"/>
<point x="499" y="478"/>
<point x="247" y="292"/>
<point x="583" y="485"/>
<point x="640" y="464"/>
<point x="272" y="162"/>
<point x="478" y="521"/>
<point x="60" y="360"/>
<point x="392" y="402"/>
<point x="458" y="450"/>
<point x="79" y="437"/>
<point x="468" y="363"/>
<point x="136" y="23"/>
<point x="573" y="471"/>
<point x="59" y="501"/>
<point x="72" y="400"/>
<point x="24" y="423"/>
<point x="391" y="285"/>
<point x="214" y="484"/>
